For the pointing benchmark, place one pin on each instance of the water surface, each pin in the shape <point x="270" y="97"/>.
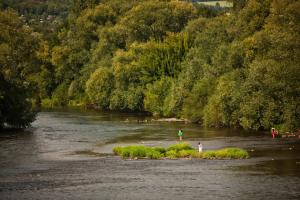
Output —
<point x="41" y="163"/>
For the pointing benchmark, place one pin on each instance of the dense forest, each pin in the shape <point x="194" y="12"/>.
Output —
<point x="220" y="67"/>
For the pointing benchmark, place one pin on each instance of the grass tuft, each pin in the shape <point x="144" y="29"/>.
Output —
<point x="181" y="150"/>
<point x="172" y="154"/>
<point x="180" y="146"/>
<point x="227" y="153"/>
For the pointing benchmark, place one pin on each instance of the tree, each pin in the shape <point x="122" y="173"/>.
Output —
<point x="99" y="87"/>
<point x="18" y="66"/>
<point x="155" y="18"/>
<point x="155" y="95"/>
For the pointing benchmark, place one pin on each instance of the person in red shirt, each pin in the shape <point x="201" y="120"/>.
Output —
<point x="274" y="132"/>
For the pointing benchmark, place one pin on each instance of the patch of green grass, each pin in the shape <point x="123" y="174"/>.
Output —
<point x="196" y="154"/>
<point x="180" y="146"/>
<point x="172" y="154"/>
<point x="134" y="152"/>
<point x="181" y="150"/>
<point x="227" y="153"/>
<point x="139" y="152"/>
<point x="153" y="154"/>
<point x="186" y="153"/>
<point x="162" y="150"/>
<point x="117" y="150"/>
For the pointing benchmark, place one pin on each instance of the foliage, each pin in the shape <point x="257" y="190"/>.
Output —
<point x="180" y="146"/>
<point x="154" y="154"/>
<point x="234" y="67"/>
<point x="156" y="94"/>
<point x="180" y="150"/>
<point x="45" y="17"/>
<point x="227" y="153"/>
<point x="172" y="154"/>
<point x="18" y="70"/>
<point x="156" y="18"/>
<point x="99" y="87"/>
<point x="134" y="151"/>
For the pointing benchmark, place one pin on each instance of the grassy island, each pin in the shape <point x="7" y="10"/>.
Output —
<point x="181" y="150"/>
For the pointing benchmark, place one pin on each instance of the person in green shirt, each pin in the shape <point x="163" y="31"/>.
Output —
<point x="180" y="133"/>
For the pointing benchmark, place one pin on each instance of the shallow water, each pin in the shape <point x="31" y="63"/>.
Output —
<point x="64" y="132"/>
<point x="44" y="158"/>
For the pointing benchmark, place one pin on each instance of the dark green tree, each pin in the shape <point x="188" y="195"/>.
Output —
<point x="18" y="69"/>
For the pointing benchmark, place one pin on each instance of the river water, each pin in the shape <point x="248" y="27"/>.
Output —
<point x="33" y="163"/>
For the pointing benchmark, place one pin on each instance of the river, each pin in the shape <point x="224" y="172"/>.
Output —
<point x="43" y="162"/>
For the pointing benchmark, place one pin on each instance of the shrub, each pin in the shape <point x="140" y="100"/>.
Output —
<point x="155" y="95"/>
<point x="181" y="150"/>
<point x="125" y="153"/>
<point x="197" y="154"/>
<point x="152" y="154"/>
<point x="172" y="154"/>
<point x="227" y="153"/>
<point x="118" y="150"/>
<point x="179" y="147"/>
<point x="161" y="150"/>
<point x="209" y="154"/>
<point x="47" y="103"/>
<point x="132" y="151"/>
<point x="137" y="151"/>
<point x="99" y="87"/>
<point x="186" y="153"/>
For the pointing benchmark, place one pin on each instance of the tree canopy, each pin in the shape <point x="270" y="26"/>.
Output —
<point x="221" y="67"/>
<point x="18" y="68"/>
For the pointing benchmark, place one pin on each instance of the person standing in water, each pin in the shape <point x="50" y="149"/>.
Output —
<point x="200" y="147"/>
<point x="274" y="132"/>
<point x="180" y="133"/>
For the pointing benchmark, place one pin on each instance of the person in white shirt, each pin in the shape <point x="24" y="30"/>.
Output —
<point x="200" y="147"/>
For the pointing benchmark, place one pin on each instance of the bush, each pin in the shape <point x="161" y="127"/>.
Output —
<point x="47" y="103"/>
<point x="155" y="95"/>
<point x="60" y="95"/>
<point x="197" y="154"/>
<point x="99" y="87"/>
<point x="118" y="150"/>
<point x="186" y="153"/>
<point x="181" y="150"/>
<point x="172" y="154"/>
<point x="179" y="147"/>
<point x="209" y="154"/>
<point x="137" y="152"/>
<point x="152" y="154"/>
<point x="227" y="153"/>
<point x="161" y="150"/>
